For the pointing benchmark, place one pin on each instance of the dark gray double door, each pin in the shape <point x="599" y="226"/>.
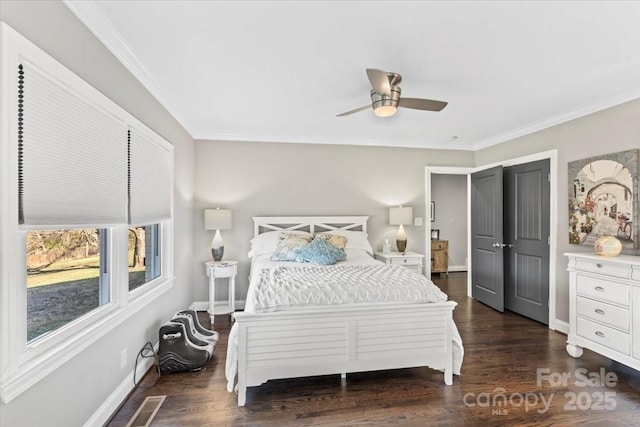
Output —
<point x="510" y="238"/>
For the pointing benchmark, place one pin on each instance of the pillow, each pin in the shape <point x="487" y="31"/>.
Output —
<point x="289" y="245"/>
<point x="320" y="251"/>
<point x="355" y="239"/>
<point x="267" y="243"/>
<point x="336" y="240"/>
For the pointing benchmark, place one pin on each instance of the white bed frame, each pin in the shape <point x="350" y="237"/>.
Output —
<point x="338" y="340"/>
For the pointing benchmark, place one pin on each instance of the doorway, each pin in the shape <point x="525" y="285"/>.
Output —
<point x="551" y="156"/>
<point x="510" y="234"/>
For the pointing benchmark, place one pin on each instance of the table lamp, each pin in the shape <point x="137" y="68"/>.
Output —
<point x="401" y="216"/>
<point x="217" y="219"/>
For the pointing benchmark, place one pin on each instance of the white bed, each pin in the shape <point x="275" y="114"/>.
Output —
<point x="297" y="341"/>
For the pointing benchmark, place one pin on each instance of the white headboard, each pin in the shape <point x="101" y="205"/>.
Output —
<point x="312" y="224"/>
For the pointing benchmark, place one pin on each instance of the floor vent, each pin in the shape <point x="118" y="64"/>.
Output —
<point x="146" y="411"/>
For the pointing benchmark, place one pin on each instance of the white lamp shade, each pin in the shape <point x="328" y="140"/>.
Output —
<point x="217" y="219"/>
<point x="402" y="215"/>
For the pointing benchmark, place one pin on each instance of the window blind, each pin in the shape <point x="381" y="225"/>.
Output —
<point x="150" y="177"/>
<point x="72" y="156"/>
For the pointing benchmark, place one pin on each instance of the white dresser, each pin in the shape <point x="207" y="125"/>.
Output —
<point x="604" y="306"/>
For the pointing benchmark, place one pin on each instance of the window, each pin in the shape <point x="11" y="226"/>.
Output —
<point x="86" y="203"/>
<point x="64" y="278"/>
<point x="143" y="255"/>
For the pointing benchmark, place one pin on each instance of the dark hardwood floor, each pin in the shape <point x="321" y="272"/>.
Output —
<point x="511" y="375"/>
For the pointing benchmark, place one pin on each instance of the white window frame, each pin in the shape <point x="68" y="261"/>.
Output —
<point x="155" y="259"/>
<point x="23" y="364"/>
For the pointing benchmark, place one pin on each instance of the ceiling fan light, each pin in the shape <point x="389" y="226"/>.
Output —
<point x="385" y="111"/>
<point x="385" y="105"/>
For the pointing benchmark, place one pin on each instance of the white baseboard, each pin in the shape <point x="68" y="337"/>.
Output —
<point x="199" y="306"/>
<point x="118" y="396"/>
<point x="457" y="268"/>
<point x="204" y="305"/>
<point x="562" y="326"/>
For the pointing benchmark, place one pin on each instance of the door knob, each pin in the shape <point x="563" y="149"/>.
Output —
<point x="496" y="245"/>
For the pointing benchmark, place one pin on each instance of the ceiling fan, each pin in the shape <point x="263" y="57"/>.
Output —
<point x="385" y="96"/>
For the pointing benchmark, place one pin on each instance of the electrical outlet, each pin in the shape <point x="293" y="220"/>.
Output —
<point x="123" y="358"/>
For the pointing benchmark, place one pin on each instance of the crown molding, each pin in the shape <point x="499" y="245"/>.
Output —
<point x="557" y="120"/>
<point x="91" y="16"/>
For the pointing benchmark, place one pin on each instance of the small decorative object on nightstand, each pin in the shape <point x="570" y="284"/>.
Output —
<point x="221" y="270"/>
<point x="401" y="216"/>
<point x="217" y="219"/>
<point x="386" y="247"/>
<point x="410" y="260"/>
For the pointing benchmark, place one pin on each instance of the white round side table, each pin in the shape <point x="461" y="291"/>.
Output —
<point x="220" y="270"/>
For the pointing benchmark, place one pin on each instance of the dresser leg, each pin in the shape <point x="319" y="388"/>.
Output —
<point x="574" y="350"/>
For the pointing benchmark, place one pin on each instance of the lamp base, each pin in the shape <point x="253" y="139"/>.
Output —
<point x="401" y="240"/>
<point x="217" y="253"/>
<point x="217" y="247"/>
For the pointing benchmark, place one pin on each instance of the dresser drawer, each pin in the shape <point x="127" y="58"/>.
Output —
<point x="406" y="261"/>
<point x="602" y="289"/>
<point x="603" y="267"/>
<point x="603" y="335"/>
<point x="439" y="245"/>
<point x="611" y="315"/>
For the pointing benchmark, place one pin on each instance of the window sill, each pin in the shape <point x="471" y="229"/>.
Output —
<point x="32" y="371"/>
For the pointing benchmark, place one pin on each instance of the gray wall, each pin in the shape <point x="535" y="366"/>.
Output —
<point x="70" y="395"/>
<point x="609" y="131"/>
<point x="449" y="192"/>
<point x="257" y="178"/>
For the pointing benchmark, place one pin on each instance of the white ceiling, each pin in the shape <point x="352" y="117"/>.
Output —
<point x="281" y="70"/>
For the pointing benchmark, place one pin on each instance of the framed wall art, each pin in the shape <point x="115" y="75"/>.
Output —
<point x="603" y="198"/>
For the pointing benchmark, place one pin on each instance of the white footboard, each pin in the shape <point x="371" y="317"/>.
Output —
<point x="337" y="340"/>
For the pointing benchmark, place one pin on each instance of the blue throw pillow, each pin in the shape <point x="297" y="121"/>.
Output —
<point x="321" y="252"/>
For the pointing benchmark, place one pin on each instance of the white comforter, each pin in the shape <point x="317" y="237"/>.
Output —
<point x="281" y="288"/>
<point x="276" y="286"/>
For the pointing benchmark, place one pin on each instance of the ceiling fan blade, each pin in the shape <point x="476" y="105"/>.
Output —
<point x="422" y="104"/>
<point x="357" y="110"/>
<point x="379" y="81"/>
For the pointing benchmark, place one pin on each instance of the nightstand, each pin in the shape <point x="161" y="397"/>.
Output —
<point x="410" y="260"/>
<point x="222" y="270"/>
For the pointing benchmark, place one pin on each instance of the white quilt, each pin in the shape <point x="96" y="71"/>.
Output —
<point x="279" y="288"/>
<point x="289" y="286"/>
